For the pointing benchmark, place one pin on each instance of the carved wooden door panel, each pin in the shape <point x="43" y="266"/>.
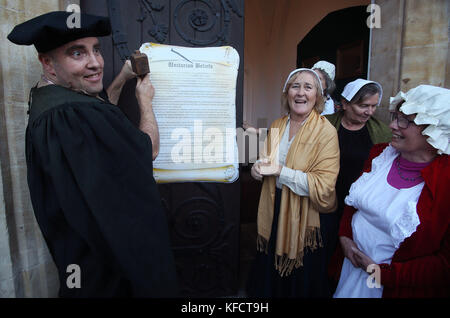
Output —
<point x="203" y="217"/>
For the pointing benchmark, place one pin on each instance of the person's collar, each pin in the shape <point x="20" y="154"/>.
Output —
<point x="302" y="123"/>
<point x="45" y="81"/>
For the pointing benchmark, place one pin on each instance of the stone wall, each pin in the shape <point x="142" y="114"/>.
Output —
<point x="411" y="47"/>
<point x="26" y="268"/>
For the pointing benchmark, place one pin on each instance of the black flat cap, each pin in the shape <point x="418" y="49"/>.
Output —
<point x="49" y="31"/>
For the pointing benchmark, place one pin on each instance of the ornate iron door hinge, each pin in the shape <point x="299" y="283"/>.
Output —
<point x="119" y="36"/>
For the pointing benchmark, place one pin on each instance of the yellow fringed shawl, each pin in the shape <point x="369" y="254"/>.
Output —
<point x="315" y="151"/>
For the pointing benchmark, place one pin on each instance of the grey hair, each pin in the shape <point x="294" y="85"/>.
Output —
<point x="366" y="91"/>
<point x="320" y="101"/>
<point x="331" y="86"/>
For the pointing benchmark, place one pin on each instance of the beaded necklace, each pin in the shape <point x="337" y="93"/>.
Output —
<point x="397" y="164"/>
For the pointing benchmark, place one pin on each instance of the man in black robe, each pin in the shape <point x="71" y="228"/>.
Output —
<point x="90" y="170"/>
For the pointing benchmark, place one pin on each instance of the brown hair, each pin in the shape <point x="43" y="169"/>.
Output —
<point x="366" y="91"/>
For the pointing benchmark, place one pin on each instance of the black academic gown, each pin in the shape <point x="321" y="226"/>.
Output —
<point x="91" y="183"/>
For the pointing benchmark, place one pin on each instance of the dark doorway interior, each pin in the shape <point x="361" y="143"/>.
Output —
<point x="341" y="38"/>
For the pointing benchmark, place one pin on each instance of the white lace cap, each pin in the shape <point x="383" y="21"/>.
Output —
<point x="327" y="67"/>
<point x="352" y="88"/>
<point x="298" y="70"/>
<point x="432" y="106"/>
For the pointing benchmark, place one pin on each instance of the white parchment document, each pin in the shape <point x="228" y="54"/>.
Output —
<point x="195" y="107"/>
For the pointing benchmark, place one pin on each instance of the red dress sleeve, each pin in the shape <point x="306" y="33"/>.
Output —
<point x="431" y="270"/>
<point x="424" y="261"/>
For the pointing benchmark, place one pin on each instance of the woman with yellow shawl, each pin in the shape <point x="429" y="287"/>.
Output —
<point x="299" y="172"/>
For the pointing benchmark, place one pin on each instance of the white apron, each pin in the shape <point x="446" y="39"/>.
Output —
<point x="385" y="217"/>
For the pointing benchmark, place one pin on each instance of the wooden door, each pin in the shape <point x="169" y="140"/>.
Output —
<point x="203" y="217"/>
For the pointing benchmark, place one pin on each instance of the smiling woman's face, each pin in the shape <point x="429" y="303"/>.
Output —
<point x="408" y="140"/>
<point x="302" y="95"/>
<point x="360" y="113"/>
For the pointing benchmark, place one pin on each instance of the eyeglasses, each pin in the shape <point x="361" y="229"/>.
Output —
<point x="402" y="122"/>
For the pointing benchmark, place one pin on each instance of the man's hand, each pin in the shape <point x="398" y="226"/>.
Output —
<point x="114" y="90"/>
<point x="127" y="71"/>
<point x="144" y="91"/>
<point x="144" y="94"/>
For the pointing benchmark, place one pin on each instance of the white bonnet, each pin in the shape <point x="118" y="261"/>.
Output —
<point x="432" y="106"/>
<point x="352" y="88"/>
<point x="329" y="68"/>
<point x="299" y="70"/>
